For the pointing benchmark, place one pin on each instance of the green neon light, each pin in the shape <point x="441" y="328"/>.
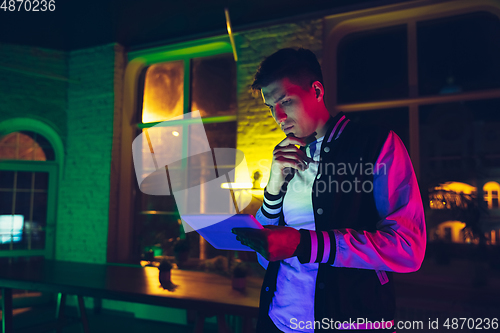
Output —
<point x="200" y="48"/>
<point x="168" y="123"/>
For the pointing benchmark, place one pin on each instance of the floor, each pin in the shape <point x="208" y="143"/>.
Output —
<point x="105" y="322"/>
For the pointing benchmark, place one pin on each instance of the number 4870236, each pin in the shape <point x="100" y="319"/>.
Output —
<point x="28" y="5"/>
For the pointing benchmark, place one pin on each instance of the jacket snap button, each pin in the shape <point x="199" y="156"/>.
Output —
<point x="327" y="149"/>
<point x="321" y="285"/>
<point x="320" y="211"/>
<point x="267" y="288"/>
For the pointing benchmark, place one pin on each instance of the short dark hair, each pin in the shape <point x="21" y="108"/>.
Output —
<point x="299" y="66"/>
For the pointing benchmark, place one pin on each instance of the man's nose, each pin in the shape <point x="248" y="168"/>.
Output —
<point x="280" y="114"/>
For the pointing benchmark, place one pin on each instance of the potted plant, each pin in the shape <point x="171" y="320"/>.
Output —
<point x="240" y="272"/>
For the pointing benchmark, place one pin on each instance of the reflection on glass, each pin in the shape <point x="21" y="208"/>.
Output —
<point x="394" y="119"/>
<point x="20" y="197"/>
<point x="459" y="140"/>
<point x="25" y="145"/>
<point x="163" y="92"/>
<point x="11" y="228"/>
<point x="460" y="153"/>
<point x="212" y="92"/>
<point x="458" y="53"/>
<point x="213" y="85"/>
<point x="373" y="65"/>
<point x="490" y="192"/>
<point x="6" y="179"/>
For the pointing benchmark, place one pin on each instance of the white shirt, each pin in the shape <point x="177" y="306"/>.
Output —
<point x="294" y="297"/>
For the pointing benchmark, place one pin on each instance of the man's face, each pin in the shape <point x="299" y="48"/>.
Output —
<point x="293" y="108"/>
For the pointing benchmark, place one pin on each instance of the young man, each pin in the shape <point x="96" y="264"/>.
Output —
<point x="341" y="212"/>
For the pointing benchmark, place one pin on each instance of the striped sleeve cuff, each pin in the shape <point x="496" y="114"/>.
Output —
<point x="316" y="247"/>
<point x="272" y="205"/>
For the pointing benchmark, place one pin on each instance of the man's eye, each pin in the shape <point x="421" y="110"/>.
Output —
<point x="285" y="102"/>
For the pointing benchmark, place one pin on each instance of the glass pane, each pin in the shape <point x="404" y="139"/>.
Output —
<point x="459" y="147"/>
<point x="458" y="53"/>
<point x="163" y="91"/>
<point x="156" y="203"/>
<point x="373" y="65"/>
<point x="40" y="208"/>
<point x="157" y="230"/>
<point x="47" y="152"/>
<point x="8" y="147"/>
<point x="213" y="85"/>
<point x="26" y="145"/>
<point x="30" y="209"/>
<point x="459" y="140"/>
<point x="445" y="142"/>
<point x="11" y="230"/>
<point x="394" y="119"/>
<point x="41" y="180"/>
<point x="23" y="204"/>
<point x="6" y="202"/>
<point x="24" y="179"/>
<point x="221" y="135"/>
<point x="6" y="179"/>
<point x="38" y="224"/>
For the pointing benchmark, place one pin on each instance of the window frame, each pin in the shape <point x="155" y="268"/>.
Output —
<point x="38" y="166"/>
<point x="122" y="205"/>
<point x="55" y="176"/>
<point x="339" y="26"/>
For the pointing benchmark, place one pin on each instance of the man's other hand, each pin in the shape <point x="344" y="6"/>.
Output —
<point x="273" y="242"/>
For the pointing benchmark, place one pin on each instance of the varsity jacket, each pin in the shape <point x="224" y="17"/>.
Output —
<point x="347" y="289"/>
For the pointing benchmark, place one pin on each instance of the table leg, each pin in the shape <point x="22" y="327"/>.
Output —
<point x="222" y="325"/>
<point x="83" y="314"/>
<point x="200" y="323"/>
<point x="7" y="310"/>
<point x="97" y="305"/>
<point x="247" y="325"/>
<point x="61" y="304"/>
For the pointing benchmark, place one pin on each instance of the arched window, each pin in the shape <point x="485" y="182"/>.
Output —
<point x="27" y="146"/>
<point x="162" y="83"/>
<point x="29" y="168"/>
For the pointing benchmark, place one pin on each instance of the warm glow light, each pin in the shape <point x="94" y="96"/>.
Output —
<point x="456" y="187"/>
<point x="163" y="91"/>
<point x="236" y="186"/>
<point x="491" y="192"/>
<point x="175" y="133"/>
<point x="456" y="230"/>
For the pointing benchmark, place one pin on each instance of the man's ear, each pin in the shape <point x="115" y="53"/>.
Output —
<point x="319" y="90"/>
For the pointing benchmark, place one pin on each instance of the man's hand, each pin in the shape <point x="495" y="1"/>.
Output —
<point x="286" y="155"/>
<point x="273" y="242"/>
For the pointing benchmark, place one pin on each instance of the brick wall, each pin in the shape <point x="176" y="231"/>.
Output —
<point x="33" y="84"/>
<point x="258" y="133"/>
<point x="84" y="193"/>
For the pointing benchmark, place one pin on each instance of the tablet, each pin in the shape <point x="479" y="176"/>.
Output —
<point x="216" y="229"/>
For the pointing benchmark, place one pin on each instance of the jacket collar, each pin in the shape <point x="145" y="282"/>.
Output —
<point x="337" y="125"/>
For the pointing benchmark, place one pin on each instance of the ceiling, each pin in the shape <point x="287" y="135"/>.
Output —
<point x="76" y="24"/>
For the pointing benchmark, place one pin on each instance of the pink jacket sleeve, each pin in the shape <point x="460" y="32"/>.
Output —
<point x="399" y="243"/>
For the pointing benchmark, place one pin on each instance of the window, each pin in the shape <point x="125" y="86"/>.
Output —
<point x="373" y="65"/>
<point x="28" y="183"/>
<point x="447" y="234"/>
<point x="431" y="73"/>
<point x="171" y="82"/>
<point x="490" y="192"/>
<point x="26" y="145"/>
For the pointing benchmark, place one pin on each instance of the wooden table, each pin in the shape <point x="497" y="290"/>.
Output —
<point x="199" y="291"/>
